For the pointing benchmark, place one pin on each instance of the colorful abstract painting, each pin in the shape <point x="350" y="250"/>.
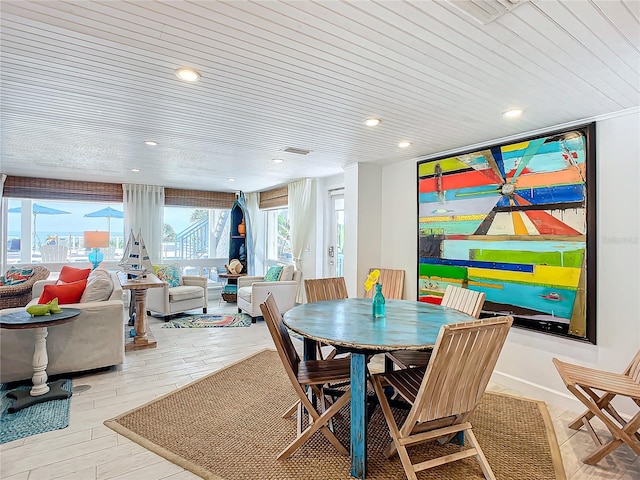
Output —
<point x="517" y="222"/>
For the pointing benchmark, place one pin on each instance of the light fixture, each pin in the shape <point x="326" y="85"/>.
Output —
<point x="516" y="112"/>
<point x="404" y="144"/>
<point x="135" y="169"/>
<point x="372" y="122"/>
<point x="187" y="74"/>
<point x="277" y="160"/>
<point x="151" y="143"/>
<point x="231" y="179"/>
<point x="96" y="240"/>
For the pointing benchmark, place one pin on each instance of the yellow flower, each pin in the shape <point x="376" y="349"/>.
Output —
<point x="372" y="279"/>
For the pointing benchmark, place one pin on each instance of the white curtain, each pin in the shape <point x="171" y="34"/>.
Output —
<point x="301" y="220"/>
<point x="144" y="212"/>
<point x="252" y="201"/>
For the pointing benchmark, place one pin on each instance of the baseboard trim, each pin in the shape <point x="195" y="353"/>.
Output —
<point x="538" y="392"/>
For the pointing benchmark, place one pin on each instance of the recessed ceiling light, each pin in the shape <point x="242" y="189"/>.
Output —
<point x="277" y="160"/>
<point x="516" y="112"/>
<point x="187" y="74"/>
<point x="135" y="169"/>
<point x="150" y="143"/>
<point x="372" y="122"/>
<point x="404" y="144"/>
<point x="231" y="179"/>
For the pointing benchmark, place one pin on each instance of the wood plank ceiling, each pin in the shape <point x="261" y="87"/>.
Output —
<point x="85" y="83"/>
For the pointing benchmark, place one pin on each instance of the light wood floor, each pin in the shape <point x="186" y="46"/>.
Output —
<point x="87" y="450"/>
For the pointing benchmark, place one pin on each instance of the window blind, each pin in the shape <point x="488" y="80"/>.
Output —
<point x="53" y="189"/>
<point x="275" y="198"/>
<point x="175" y="197"/>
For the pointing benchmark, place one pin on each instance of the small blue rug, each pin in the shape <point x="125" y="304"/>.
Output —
<point x="38" y="418"/>
<point x="208" y="320"/>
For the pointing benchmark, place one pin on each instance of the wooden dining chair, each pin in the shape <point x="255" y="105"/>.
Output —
<point x="583" y="383"/>
<point x="445" y="393"/>
<point x="392" y="283"/>
<point x="461" y="299"/>
<point x="312" y="374"/>
<point x="321" y="289"/>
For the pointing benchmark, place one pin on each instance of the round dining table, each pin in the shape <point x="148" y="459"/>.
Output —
<point x="349" y="324"/>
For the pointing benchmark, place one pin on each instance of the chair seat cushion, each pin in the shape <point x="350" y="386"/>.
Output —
<point x="184" y="292"/>
<point x="245" y="293"/>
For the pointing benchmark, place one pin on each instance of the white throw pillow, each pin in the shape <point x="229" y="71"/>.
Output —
<point x="287" y="273"/>
<point x="99" y="287"/>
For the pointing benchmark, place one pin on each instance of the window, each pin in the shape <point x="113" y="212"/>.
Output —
<point x="33" y="224"/>
<point x="193" y="233"/>
<point x="338" y="208"/>
<point x="278" y="236"/>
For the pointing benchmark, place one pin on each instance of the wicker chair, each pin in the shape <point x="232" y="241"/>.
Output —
<point x="19" y="295"/>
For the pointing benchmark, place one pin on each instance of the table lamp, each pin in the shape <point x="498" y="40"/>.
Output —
<point x="96" y="240"/>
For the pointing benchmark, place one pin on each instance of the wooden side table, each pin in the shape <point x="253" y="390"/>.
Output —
<point x="143" y="338"/>
<point x="41" y="391"/>
<point x="232" y="279"/>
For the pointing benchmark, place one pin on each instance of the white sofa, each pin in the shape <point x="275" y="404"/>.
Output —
<point x="95" y="339"/>
<point x="190" y="294"/>
<point x="253" y="290"/>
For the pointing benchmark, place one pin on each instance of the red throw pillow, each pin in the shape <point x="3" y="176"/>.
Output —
<point x="66" y="293"/>
<point x="72" y="274"/>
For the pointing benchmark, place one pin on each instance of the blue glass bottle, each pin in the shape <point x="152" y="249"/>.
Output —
<point x="377" y="306"/>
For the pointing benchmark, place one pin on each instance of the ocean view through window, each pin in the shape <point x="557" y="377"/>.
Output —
<point x="34" y="223"/>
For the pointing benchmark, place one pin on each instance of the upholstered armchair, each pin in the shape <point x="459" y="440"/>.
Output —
<point x="19" y="295"/>
<point x="253" y="290"/>
<point x="189" y="294"/>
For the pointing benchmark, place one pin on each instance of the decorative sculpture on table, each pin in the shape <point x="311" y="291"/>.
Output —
<point x="46" y="309"/>
<point x="135" y="261"/>
<point x="234" y="267"/>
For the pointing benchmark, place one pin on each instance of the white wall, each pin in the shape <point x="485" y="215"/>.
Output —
<point x="525" y="362"/>
<point x="363" y="224"/>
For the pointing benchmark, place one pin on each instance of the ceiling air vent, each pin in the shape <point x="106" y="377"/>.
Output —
<point x="297" y="151"/>
<point x="485" y="11"/>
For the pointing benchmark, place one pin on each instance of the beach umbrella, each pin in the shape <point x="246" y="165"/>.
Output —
<point x="107" y="213"/>
<point x="38" y="209"/>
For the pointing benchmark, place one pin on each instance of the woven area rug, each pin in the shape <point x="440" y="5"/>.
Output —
<point x="208" y="320"/>
<point x="228" y="426"/>
<point x="38" y="418"/>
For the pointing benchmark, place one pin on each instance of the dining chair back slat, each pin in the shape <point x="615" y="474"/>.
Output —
<point x="464" y="300"/>
<point x="633" y="369"/>
<point x="392" y="283"/>
<point x="451" y="385"/>
<point x="280" y="334"/>
<point x="319" y="289"/>
<point x="461" y="299"/>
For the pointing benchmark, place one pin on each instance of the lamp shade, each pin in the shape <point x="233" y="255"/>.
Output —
<point x="96" y="239"/>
